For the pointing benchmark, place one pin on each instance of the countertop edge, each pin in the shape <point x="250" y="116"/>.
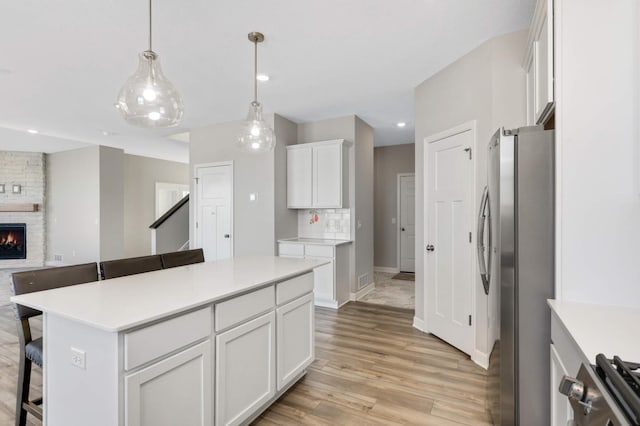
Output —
<point x="319" y="242"/>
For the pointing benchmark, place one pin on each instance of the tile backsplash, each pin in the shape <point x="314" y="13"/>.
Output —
<point x="324" y="223"/>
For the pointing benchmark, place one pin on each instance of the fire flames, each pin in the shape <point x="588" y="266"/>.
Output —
<point x="9" y="239"/>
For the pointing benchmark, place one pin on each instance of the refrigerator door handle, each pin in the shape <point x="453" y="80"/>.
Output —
<point x="484" y="215"/>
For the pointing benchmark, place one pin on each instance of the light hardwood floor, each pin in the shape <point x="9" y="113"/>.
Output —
<point x="372" y="368"/>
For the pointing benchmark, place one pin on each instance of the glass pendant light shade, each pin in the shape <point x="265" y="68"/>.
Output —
<point x="147" y="98"/>
<point x="256" y="136"/>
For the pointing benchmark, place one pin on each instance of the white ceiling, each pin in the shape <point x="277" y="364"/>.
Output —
<point x="62" y="63"/>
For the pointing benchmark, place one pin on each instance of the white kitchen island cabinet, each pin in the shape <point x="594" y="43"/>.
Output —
<point x="193" y="345"/>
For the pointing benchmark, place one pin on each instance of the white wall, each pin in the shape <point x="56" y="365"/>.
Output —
<point x="286" y="220"/>
<point x="597" y="116"/>
<point x="73" y="205"/>
<point x="140" y="177"/>
<point x="486" y="85"/>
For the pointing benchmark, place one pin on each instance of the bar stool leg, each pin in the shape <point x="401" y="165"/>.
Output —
<point x="22" y="394"/>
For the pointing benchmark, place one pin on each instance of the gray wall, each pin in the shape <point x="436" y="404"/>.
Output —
<point x="486" y="85"/>
<point x="173" y="232"/>
<point x="73" y="205"/>
<point x="111" y="203"/>
<point x="254" y="222"/>
<point x="140" y="177"/>
<point x="352" y="129"/>
<point x="286" y="220"/>
<point x="388" y="161"/>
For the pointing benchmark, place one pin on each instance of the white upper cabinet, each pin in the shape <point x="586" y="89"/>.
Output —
<point x="539" y="65"/>
<point x="317" y="175"/>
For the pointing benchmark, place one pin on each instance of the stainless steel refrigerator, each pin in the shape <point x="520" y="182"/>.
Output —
<point x="516" y="259"/>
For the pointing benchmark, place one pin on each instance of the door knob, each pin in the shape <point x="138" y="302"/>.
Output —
<point x="430" y="247"/>
<point x="402" y="229"/>
<point x="227" y="235"/>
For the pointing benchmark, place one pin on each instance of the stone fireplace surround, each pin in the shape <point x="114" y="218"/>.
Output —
<point x="26" y="169"/>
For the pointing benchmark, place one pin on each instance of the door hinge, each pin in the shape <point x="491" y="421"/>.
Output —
<point x="469" y="151"/>
<point x="196" y="179"/>
<point x="469" y="320"/>
<point x="469" y="236"/>
<point x="196" y="224"/>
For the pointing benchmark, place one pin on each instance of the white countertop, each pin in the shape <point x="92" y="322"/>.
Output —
<point x="318" y="241"/>
<point x="601" y="329"/>
<point x="121" y="303"/>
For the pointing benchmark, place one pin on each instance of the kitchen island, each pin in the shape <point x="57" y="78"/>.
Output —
<point x="210" y="343"/>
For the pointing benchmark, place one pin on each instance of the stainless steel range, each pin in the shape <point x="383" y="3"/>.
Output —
<point x="605" y="394"/>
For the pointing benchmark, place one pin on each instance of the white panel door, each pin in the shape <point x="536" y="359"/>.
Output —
<point x="327" y="176"/>
<point x="295" y="332"/>
<point x="407" y="223"/>
<point x="448" y="255"/>
<point x="174" y="391"/>
<point x="299" y="177"/>
<point x="245" y="369"/>
<point x="214" y="189"/>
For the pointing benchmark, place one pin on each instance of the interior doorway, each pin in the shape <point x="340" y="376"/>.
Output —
<point x="214" y="210"/>
<point x="406" y="222"/>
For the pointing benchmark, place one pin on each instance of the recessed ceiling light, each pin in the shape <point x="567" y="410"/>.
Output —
<point x="262" y="77"/>
<point x="33" y="131"/>
<point x="401" y="124"/>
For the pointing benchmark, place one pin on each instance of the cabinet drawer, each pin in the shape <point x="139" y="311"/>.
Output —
<point x="318" y="251"/>
<point x="244" y="307"/>
<point x="291" y="250"/>
<point x="293" y="288"/>
<point x="565" y="347"/>
<point x="149" y="343"/>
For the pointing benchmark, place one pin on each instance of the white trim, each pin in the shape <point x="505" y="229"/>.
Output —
<point x="362" y="292"/>
<point x="332" y="304"/>
<point x="559" y="112"/>
<point x="469" y="126"/>
<point x="194" y="199"/>
<point x="398" y="225"/>
<point x="153" y="241"/>
<point x="418" y="323"/>
<point x="386" y="269"/>
<point x="480" y="358"/>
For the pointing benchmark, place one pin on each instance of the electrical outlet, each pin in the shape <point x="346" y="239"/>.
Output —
<point x="78" y="358"/>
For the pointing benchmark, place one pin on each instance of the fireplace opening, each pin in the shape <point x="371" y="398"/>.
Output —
<point x="13" y="241"/>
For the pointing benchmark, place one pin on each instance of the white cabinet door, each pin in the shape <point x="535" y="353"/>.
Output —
<point x="295" y="326"/>
<point x="299" y="177"/>
<point x="174" y="391"/>
<point x="327" y="176"/>
<point x="245" y="369"/>
<point x="561" y="411"/>
<point x="324" y="282"/>
<point x="531" y="95"/>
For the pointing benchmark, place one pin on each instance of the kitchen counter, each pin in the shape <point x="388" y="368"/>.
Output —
<point x="600" y="329"/>
<point x="115" y="350"/>
<point x="318" y="241"/>
<point x="122" y="303"/>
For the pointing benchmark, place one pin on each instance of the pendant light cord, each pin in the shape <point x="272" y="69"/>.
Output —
<point x="150" y="49"/>
<point x="255" y="71"/>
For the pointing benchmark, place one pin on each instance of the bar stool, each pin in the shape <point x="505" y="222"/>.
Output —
<point x="129" y="266"/>
<point x="31" y="349"/>
<point x="181" y="258"/>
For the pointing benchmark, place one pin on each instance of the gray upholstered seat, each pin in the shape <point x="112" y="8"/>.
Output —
<point x="181" y="258"/>
<point x="129" y="266"/>
<point x="31" y="351"/>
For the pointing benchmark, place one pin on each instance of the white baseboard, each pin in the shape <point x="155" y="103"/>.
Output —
<point x="326" y="303"/>
<point x="362" y="292"/>
<point x="418" y="323"/>
<point x="481" y="358"/>
<point x="386" y="269"/>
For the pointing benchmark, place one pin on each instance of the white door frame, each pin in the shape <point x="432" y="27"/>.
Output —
<point x="476" y="356"/>
<point x="399" y="225"/>
<point x="192" y="239"/>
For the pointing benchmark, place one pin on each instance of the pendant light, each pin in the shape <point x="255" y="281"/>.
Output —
<point x="147" y="98"/>
<point x="256" y="136"/>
